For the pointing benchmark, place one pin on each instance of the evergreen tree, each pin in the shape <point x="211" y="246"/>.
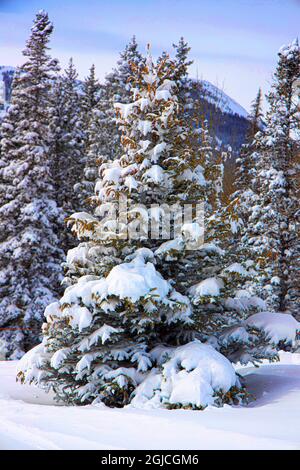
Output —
<point x="244" y="198"/>
<point x="185" y="86"/>
<point x="271" y="230"/>
<point x="89" y="100"/>
<point x="112" y="337"/>
<point x="182" y="63"/>
<point x="29" y="246"/>
<point x="97" y="345"/>
<point x="68" y="139"/>
<point x="103" y="137"/>
<point x="90" y="96"/>
<point x="247" y="160"/>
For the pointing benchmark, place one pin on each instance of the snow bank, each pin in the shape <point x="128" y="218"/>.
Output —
<point x="190" y="376"/>
<point x="272" y="421"/>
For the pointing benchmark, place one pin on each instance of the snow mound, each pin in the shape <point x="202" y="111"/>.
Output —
<point x="191" y="376"/>
<point x="278" y="327"/>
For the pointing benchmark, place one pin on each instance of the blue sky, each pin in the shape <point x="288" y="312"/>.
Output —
<point x="234" y="42"/>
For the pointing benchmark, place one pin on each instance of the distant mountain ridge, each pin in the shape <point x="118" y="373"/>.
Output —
<point x="229" y="118"/>
<point x="6" y="78"/>
<point x="218" y="97"/>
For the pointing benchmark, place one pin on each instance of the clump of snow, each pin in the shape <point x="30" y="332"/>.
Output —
<point x="190" y="376"/>
<point x="131" y="280"/>
<point x="77" y="315"/>
<point x="163" y="95"/>
<point x="234" y="334"/>
<point x="278" y="327"/>
<point x="157" y="151"/>
<point x="192" y="231"/>
<point x="145" y="127"/>
<point x="104" y="333"/>
<point x="154" y="174"/>
<point x="236" y="268"/>
<point x="31" y="363"/>
<point x="145" y="253"/>
<point x="243" y="301"/>
<point x="135" y="280"/>
<point x="196" y="175"/>
<point x="78" y="254"/>
<point x="212" y="248"/>
<point x="176" y="244"/>
<point x="208" y="287"/>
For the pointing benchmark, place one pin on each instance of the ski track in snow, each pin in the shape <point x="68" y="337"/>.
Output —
<point x="28" y="419"/>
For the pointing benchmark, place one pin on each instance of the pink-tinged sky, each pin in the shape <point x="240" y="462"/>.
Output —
<point x="234" y="42"/>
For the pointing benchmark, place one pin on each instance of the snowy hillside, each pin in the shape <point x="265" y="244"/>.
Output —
<point x="29" y="418"/>
<point x="228" y="119"/>
<point x="219" y="98"/>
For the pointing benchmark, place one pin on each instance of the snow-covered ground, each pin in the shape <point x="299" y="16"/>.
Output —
<point x="28" y="419"/>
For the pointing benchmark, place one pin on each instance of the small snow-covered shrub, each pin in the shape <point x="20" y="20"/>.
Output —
<point x="280" y="329"/>
<point x="259" y="337"/>
<point x="192" y="376"/>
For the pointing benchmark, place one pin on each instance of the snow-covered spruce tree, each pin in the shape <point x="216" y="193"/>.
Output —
<point x="92" y="128"/>
<point x="102" y="135"/>
<point x="215" y="277"/>
<point x="183" y="82"/>
<point x="101" y="143"/>
<point x="29" y="248"/>
<point x="247" y="160"/>
<point x="68" y="139"/>
<point x="119" y="321"/>
<point x="240" y="202"/>
<point x="271" y="230"/>
<point x="114" y="335"/>
<point x="209" y="275"/>
<point x="90" y="95"/>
